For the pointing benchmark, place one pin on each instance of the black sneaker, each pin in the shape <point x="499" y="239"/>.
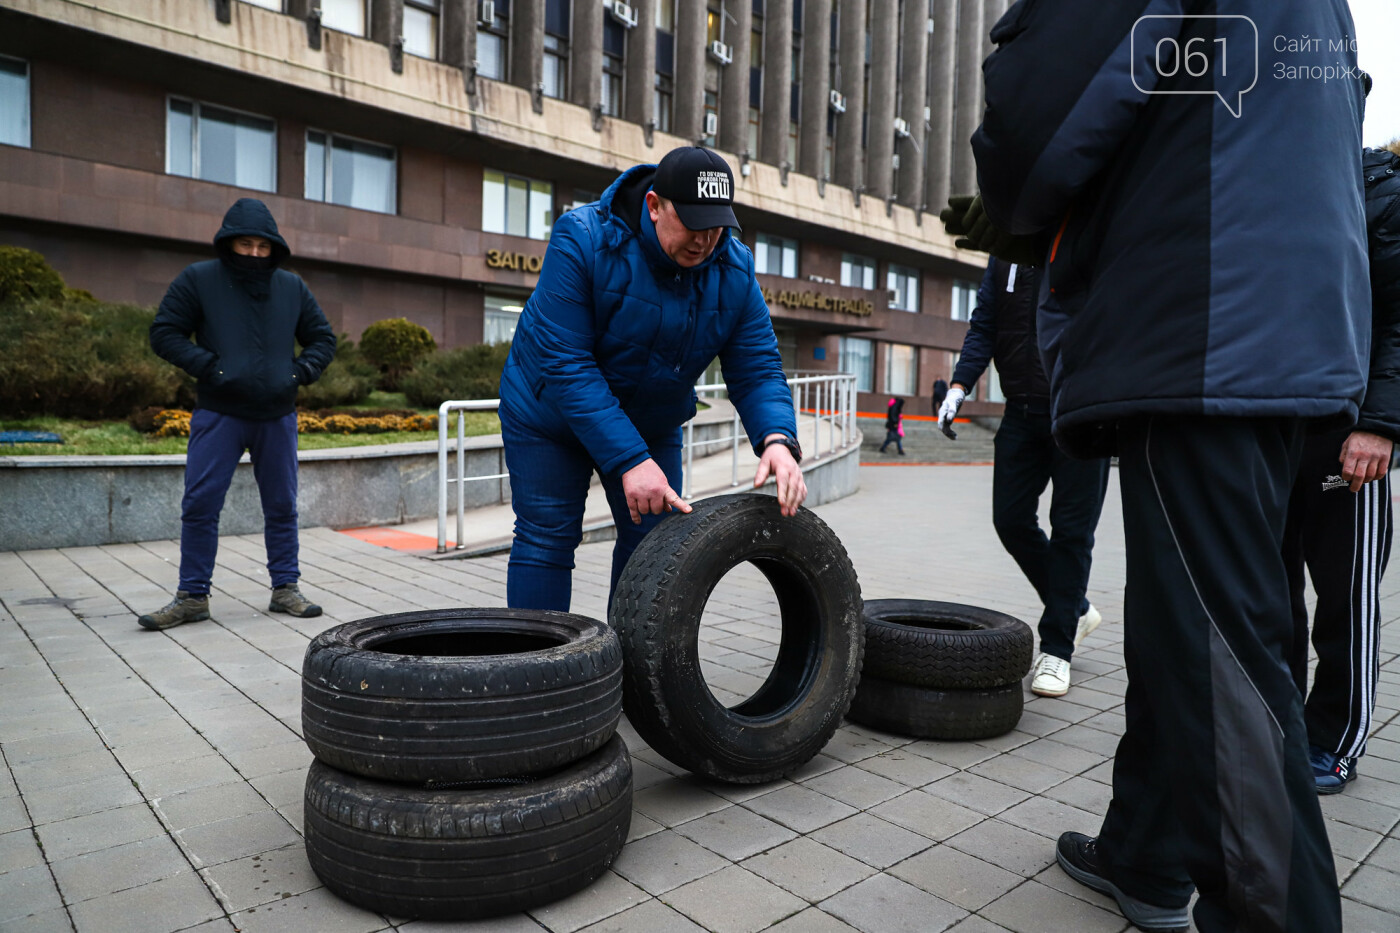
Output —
<point x="287" y="598"/>
<point x="1331" y="772"/>
<point x="183" y="608"/>
<point x="1078" y="855"/>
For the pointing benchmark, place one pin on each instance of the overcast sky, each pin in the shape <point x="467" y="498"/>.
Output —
<point x="1378" y="50"/>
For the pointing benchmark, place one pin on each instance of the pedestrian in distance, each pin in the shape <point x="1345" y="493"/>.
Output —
<point x="1204" y="308"/>
<point x="246" y="316"/>
<point x="940" y="392"/>
<point x="894" y="425"/>
<point x="1003" y="329"/>
<point x="640" y="291"/>
<point x="1339" y="518"/>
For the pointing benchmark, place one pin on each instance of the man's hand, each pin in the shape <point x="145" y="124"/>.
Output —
<point x="949" y="410"/>
<point x="648" y="493"/>
<point x="952" y="215"/>
<point x="1365" y="457"/>
<point x="984" y="237"/>
<point x="777" y="461"/>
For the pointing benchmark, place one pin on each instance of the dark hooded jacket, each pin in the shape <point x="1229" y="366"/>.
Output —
<point x="246" y="323"/>
<point x="611" y="342"/>
<point x="1197" y="262"/>
<point x="1380" y="413"/>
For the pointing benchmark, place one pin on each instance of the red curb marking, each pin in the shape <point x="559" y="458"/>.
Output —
<point x="394" y="539"/>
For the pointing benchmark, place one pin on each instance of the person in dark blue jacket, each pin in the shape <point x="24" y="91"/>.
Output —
<point x="1206" y="303"/>
<point x="246" y="316"/>
<point x="639" y="292"/>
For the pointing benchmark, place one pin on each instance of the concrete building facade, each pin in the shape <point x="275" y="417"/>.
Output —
<point x="417" y="152"/>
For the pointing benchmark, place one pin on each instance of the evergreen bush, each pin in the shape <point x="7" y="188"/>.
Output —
<point x="394" y="346"/>
<point x="347" y="381"/>
<point x="464" y="373"/>
<point x="27" y="276"/>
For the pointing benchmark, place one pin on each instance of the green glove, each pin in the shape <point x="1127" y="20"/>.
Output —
<point x="952" y="215"/>
<point x="984" y="237"/>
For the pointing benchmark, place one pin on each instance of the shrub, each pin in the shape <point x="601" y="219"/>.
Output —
<point x="347" y="381"/>
<point x="394" y="346"/>
<point x="27" y="276"/>
<point x="465" y="373"/>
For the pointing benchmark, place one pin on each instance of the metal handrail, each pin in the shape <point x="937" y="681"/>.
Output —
<point x="829" y="398"/>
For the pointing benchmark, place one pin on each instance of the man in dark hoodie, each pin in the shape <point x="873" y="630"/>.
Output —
<point x="246" y="316"/>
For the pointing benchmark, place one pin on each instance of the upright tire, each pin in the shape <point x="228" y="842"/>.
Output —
<point x="657" y="610"/>
<point x="460" y="694"/>
<point x="946" y="646"/>
<point x="468" y="854"/>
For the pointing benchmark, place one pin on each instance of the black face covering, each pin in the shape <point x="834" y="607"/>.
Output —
<point x="250" y="263"/>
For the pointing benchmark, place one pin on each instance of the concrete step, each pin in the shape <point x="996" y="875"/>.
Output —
<point x="925" y="443"/>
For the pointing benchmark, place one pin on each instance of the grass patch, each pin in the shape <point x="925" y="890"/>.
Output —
<point x="107" y="438"/>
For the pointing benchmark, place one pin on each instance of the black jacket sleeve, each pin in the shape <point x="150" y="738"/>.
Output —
<point x="1380" y="413"/>
<point x="179" y="316"/>
<point x="316" y="337"/>
<point x="981" y="338"/>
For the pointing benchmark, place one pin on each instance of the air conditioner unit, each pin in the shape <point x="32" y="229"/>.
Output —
<point x="624" y="13"/>
<point x="711" y="124"/>
<point x="892" y="294"/>
<point x="901" y="127"/>
<point x="838" y="102"/>
<point x="721" y="52"/>
<point x="488" y="12"/>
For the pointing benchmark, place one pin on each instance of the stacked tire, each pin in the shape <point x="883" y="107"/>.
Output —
<point x="939" y="670"/>
<point x="467" y="764"/>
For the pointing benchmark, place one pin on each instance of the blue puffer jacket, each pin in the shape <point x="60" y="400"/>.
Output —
<point x="611" y="342"/>
<point x="1198" y="262"/>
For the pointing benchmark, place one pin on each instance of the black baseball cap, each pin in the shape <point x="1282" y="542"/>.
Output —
<point x="701" y="186"/>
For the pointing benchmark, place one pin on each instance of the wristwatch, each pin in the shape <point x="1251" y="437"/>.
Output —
<point x="788" y="442"/>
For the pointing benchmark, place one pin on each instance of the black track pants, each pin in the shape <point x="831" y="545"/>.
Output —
<point x="1211" y="783"/>
<point x="1343" y="538"/>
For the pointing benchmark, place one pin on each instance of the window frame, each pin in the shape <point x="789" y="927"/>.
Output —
<point x="498" y="28"/>
<point x="913" y="383"/>
<point x="364" y="14"/>
<point x="865" y="381"/>
<point x="853" y="261"/>
<point x="529" y="193"/>
<point x="434" y="9"/>
<point x="968" y="302"/>
<point x="28" y="118"/>
<point x="194" y="175"/>
<point x="895" y="270"/>
<point x="327" y="183"/>
<point x="764" y="240"/>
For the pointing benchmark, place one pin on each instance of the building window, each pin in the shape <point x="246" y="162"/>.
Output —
<point x="344" y="16"/>
<point x="994" y="392"/>
<point x="666" y="15"/>
<point x="775" y="255"/>
<point x="857" y="271"/>
<point x="857" y="355"/>
<point x="516" y="206"/>
<point x="972" y="389"/>
<point x="711" y="117"/>
<point x="491" y="46"/>
<point x="351" y="172"/>
<point x="752" y="139"/>
<point x="662" y="102"/>
<point x="502" y="317"/>
<point x="556" y="67"/>
<point x="220" y="145"/>
<point x="612" y="85"/>
<point x="787" y="347"/>
<point x="901" y="369"/>
<point x="714" y="27"/>
<point x="903" y="283"/>
<point x="14" y="102"/>
<point x="420" y="28"/>
<point x="274" y="5"/>
<point x="964" y="300"/>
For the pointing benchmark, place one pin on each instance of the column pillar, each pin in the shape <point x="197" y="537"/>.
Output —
<point x="459" y="38"/>
<point x="848" y="162"/>
<point x="942" y="84"/>
<point x="879" y="152"/>
<point x="639" y="78"/>
<point x="816" y="85"/>
<point x="386" y="28"/>
<point x="527" y="48"/>
<point x="690" y="69"/>
<point x="967" y="110"/>
<point x="586" y="54"/>
<point x="913" y="89"/>
<point x="991" y="12"/>
<point x="734" y="80"/>
<point x="777" y="81"/>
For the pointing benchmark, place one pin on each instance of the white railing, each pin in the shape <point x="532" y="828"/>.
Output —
<point x="828" y="399"/>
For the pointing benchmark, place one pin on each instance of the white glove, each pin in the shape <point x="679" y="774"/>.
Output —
<point x="949" y="410"/>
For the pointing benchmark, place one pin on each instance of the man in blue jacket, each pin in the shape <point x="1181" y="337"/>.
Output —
<point x="1207" y="302"/>
<point x="639" y="292"/>
<point x="246" y="317"/>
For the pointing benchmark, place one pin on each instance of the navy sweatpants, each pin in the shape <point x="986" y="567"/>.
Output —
<point x="216" y="443"/>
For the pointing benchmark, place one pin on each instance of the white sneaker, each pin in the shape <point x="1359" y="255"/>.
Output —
<point x="1051" y="676"/>
<point x="1087" y="623"/>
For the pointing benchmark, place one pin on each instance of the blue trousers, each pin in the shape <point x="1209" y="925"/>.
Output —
<point x="549" y="479"/>
<point x="216" y="443"/>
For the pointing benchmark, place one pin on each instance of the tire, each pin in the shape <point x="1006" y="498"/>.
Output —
<point x="657" y="609"/>
<point x="926" y="713"/>
<point x="466" y="854"/>
<point x="460" y="694"/>
<point x="946" y="646"/>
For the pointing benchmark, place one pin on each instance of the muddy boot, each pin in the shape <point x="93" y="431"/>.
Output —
<point x="185" y="607"/>
<point x="287" y="598"/>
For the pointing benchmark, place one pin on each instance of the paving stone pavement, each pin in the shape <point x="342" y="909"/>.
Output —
<point x="152" y="782"/>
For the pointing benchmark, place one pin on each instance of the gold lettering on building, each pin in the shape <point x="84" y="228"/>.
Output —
<point x="517" y="262"/>
<point x="819" y="301"/>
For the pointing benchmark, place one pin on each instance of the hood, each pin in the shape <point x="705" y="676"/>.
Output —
<point x="625" y="201"/>
<point x="250" y="217"/>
